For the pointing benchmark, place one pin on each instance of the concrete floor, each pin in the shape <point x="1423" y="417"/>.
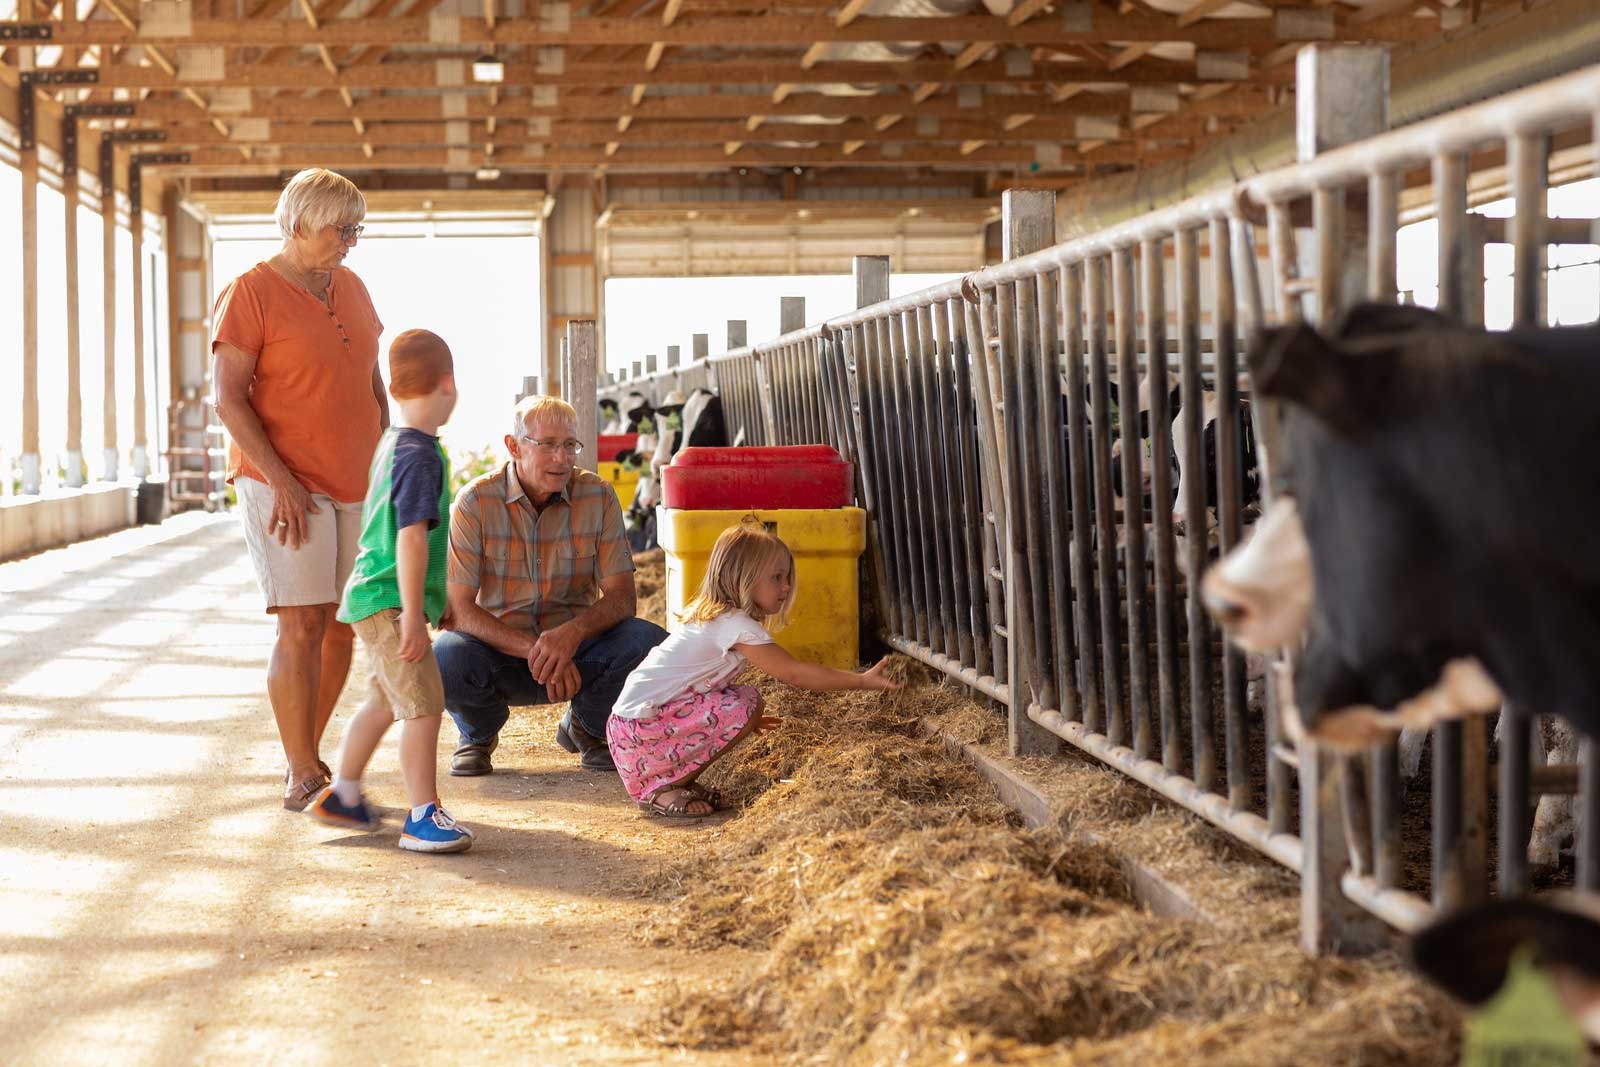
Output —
<point x="158" y="906"/>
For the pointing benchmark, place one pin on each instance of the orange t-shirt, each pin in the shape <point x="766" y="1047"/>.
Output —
<point x="313" y="380"/>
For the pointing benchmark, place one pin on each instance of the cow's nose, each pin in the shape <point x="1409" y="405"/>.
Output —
<point x="1225" y="611"/>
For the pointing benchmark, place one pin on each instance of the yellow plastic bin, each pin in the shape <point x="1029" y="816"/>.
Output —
<point x="825" y="622"/>
<point x="622" y="480"/>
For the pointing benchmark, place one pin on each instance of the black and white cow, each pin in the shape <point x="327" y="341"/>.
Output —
<point x="1439" y="550"/>
<point x="679" y="422"/>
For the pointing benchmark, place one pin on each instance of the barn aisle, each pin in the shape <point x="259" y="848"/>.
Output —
<point x="157" y="906"/>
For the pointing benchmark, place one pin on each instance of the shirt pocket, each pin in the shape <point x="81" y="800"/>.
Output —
<point x="578" y="573"/>
<point x="506" y="560"/>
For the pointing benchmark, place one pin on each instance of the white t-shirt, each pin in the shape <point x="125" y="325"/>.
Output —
<point x="699" y="656"/>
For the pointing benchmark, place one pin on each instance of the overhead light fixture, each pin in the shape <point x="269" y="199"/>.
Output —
<point x="488" y="174"/>
<point x="487" y="68"/>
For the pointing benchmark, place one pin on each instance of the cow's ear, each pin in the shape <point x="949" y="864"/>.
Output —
<point x="1296" y="363"/>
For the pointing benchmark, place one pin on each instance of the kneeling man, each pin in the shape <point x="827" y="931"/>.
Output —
<point x="541" y="590"/>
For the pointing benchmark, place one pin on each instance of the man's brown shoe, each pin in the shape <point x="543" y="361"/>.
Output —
<point x="471" y="759"/>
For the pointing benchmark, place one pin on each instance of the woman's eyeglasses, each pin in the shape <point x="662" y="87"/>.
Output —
<point x="350" y="233"/>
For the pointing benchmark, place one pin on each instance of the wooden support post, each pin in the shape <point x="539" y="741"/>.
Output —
<point x="872" y="287"/>
<point x="141" y="446"/>
<point x="701" y="347"/>
<point x="673" y="354"/>
<point x="30" y="284"/>
<point x="1027" y="224"/>
<point x="583" y="360"/>
<point x="108" y="313"/>
<point x="737" y="334"/>
<point x="1341" y="96"/>
<point x="69" y="194"/>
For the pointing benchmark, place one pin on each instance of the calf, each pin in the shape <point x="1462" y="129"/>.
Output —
<point x="1443" y="507"/>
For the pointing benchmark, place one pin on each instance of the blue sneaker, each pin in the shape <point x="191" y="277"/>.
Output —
<point x="436" y="831"/>
<point x="328" y="808"/>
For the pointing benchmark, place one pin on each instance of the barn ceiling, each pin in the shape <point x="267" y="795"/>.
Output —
<point x="874" y="89"/>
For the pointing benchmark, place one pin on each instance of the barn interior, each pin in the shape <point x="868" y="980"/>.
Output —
<point x="1164" y="873"/>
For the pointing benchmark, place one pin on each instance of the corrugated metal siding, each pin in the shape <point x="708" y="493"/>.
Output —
<point x="913" y="245"/>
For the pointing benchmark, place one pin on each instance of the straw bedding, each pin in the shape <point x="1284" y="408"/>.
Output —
<point x="906" y="917"/>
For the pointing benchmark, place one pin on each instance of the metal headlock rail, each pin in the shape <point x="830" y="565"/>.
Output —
<point x="1003" y="554"/>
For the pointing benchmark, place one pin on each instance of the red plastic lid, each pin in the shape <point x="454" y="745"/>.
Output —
<point x="783" y="476"/>
<point x="610" y="444"/>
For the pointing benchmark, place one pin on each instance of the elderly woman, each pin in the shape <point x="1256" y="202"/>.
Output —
<point x="297" y="386"/>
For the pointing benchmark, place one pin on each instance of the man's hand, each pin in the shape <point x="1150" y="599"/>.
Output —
<point x="413" y="636"/>
<point x="552" y="655"/>
<point x="565" y="685"/>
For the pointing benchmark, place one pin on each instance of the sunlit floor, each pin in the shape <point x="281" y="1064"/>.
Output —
<point x="158" y="906"/>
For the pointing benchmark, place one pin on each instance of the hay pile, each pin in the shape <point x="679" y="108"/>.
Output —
<point x="650" y="585"/>
<point x="907" y="918"/>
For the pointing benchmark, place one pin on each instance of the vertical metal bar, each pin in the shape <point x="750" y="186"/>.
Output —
<point x="933" y="475"/>
<point x="1230" y="502"/>
<point x="1021" y="573"/>
<point x="899" y="401"/>
<point x="1383" y="221"/>
<point x="1104" y="499"/>
<point x="904" y="327"/>
<point x="1588" y="816"/>
<point x="992" y="529"/>
<point x="1328" y="213"/>
<point x="1450" y="188"/>
<point x="1132" y="495"/>
<point x="1475" y="809"/>
<point x="1078" y="468"/>
<point x="1515" y="811"/>
<point x="1152" y="271"/>
<point x="1449" y="887"/>
<point x="1021" y="361"/>
<point x="967" y="468"/>
<point x="952" y="472"/>
<point x="1385" y="779"/>
<point x="1050" y="442"/>
<point x="1202" y="724"/>
<point x="1526" y="155"/>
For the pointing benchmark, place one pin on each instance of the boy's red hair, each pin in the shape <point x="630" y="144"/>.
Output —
<point x="418" y="361"/>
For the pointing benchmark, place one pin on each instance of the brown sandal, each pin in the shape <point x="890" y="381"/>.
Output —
<point x="678" y="808"/>
<point x="297" y="797"/>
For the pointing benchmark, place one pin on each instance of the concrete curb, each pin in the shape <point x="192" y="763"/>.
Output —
<point x="1150" y="888"/>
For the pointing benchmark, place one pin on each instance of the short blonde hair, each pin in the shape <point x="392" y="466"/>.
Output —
<point x="739" y="558"/>
<point x="316" y="198"/>
<point x="533" y="408"/>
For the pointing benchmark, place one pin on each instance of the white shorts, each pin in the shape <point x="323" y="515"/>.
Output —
<point x="315" y="572"/>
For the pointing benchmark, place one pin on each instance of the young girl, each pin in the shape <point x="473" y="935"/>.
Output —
<point x="679" y="712"/>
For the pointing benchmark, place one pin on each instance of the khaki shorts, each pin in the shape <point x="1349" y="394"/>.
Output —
<point x="409" y="690"/>
<point x="315" y="572"/>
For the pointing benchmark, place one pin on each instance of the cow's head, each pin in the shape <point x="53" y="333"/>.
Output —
<point x="1368" y="562"/>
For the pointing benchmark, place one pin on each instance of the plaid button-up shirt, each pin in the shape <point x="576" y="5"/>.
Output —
<point x="536" y="569"/>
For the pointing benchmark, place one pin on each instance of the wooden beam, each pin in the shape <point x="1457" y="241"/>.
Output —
<point x="1130" y="54"/>
<point x="310" y="14"/>
<point x="770" y="30"/>
<point x="849" y="12"/>
<point x="1201" y="9"/>
<point x="423" y="74"/>
<point x="653" y="59"/>
<point x="669" y="13"/>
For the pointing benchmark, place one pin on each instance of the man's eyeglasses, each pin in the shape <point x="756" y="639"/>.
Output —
<point x="350" y="233"/>
<point x="552" y="445"/>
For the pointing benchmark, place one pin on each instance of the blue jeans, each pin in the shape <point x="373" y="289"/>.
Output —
<point x="481" y="682"/>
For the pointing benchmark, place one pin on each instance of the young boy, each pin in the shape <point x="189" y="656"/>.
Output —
<point x="396" y="589"/>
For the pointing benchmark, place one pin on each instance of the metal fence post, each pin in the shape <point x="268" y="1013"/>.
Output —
<point x="1028" y="223"/>
<point x="1341" y="95"/>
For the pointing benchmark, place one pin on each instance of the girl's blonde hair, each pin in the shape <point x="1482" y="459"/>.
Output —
<point x="739" y="559"/>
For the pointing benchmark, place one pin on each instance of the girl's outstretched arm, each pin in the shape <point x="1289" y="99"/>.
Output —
<point x="798" y="672"/>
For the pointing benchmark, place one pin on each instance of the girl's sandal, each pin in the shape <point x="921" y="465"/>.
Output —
<point x="678" y="807"/>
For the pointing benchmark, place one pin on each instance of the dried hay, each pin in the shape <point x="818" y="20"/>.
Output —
<point x="907" y="918"/>
<point x="650" y="585"/>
